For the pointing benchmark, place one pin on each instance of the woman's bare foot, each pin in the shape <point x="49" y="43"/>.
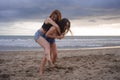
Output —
<point x="50" y="63"/>
<point x="41" y="73"/>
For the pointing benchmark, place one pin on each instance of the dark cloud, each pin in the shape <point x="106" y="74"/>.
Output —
<point x="13" y="10"/>
<point x="111" y="18"/>
<point x="93" y="21"/>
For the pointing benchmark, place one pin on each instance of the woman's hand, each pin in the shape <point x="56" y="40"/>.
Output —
<point x="60" y="37"/>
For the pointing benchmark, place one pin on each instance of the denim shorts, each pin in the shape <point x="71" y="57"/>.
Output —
<point x="39" y="33"/>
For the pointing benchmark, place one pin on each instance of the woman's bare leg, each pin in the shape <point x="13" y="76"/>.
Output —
<point x="51" y="52"/>
<point x="53" y="49"/>
<point x="42" y="42"/>
<point x="43" y="62"/>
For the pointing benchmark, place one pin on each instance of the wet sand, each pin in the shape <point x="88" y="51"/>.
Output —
<point x="80" y="64"/>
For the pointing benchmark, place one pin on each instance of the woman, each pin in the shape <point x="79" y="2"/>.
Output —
<point x="41" y="39"/>
<point x="52" y="33"/>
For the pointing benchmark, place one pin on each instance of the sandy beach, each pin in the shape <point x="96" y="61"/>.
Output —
<point x="79" y="64"/>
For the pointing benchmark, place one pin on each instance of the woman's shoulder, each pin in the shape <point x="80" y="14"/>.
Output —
<point x="53" y="28"/>
<point x="47" y="20"/>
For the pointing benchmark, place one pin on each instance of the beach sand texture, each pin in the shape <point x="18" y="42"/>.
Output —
<point x="81" y="64"/>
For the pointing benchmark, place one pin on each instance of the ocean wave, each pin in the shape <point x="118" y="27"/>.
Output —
<point x="28" y="42"/>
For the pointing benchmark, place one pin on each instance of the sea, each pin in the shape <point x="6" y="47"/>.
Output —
<point x="18" y="43"/>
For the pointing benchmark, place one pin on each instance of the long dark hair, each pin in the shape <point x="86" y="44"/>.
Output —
<point x="64" y="25"/>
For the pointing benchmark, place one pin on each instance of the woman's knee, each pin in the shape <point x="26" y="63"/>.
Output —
<point x="47" y="48"/>
<point x="55" y="54"/>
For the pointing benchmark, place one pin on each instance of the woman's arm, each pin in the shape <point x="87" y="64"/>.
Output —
<point x="50" y="21"/>
<point x="51" y="33"/>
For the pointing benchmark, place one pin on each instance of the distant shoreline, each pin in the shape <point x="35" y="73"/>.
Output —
<point x="64" y="49"/>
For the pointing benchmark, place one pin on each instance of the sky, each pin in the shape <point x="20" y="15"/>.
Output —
<point x="87" y="17"/>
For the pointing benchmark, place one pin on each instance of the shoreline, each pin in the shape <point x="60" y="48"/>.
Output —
<point x="41" y="49"/>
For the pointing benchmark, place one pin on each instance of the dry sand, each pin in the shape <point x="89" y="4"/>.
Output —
<point x="82" y="64"/>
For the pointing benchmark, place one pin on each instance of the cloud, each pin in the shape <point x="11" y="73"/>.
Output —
<point x="111" y="18"/>
<point x="14" y="10"/>
<point x="93" y="21"/>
